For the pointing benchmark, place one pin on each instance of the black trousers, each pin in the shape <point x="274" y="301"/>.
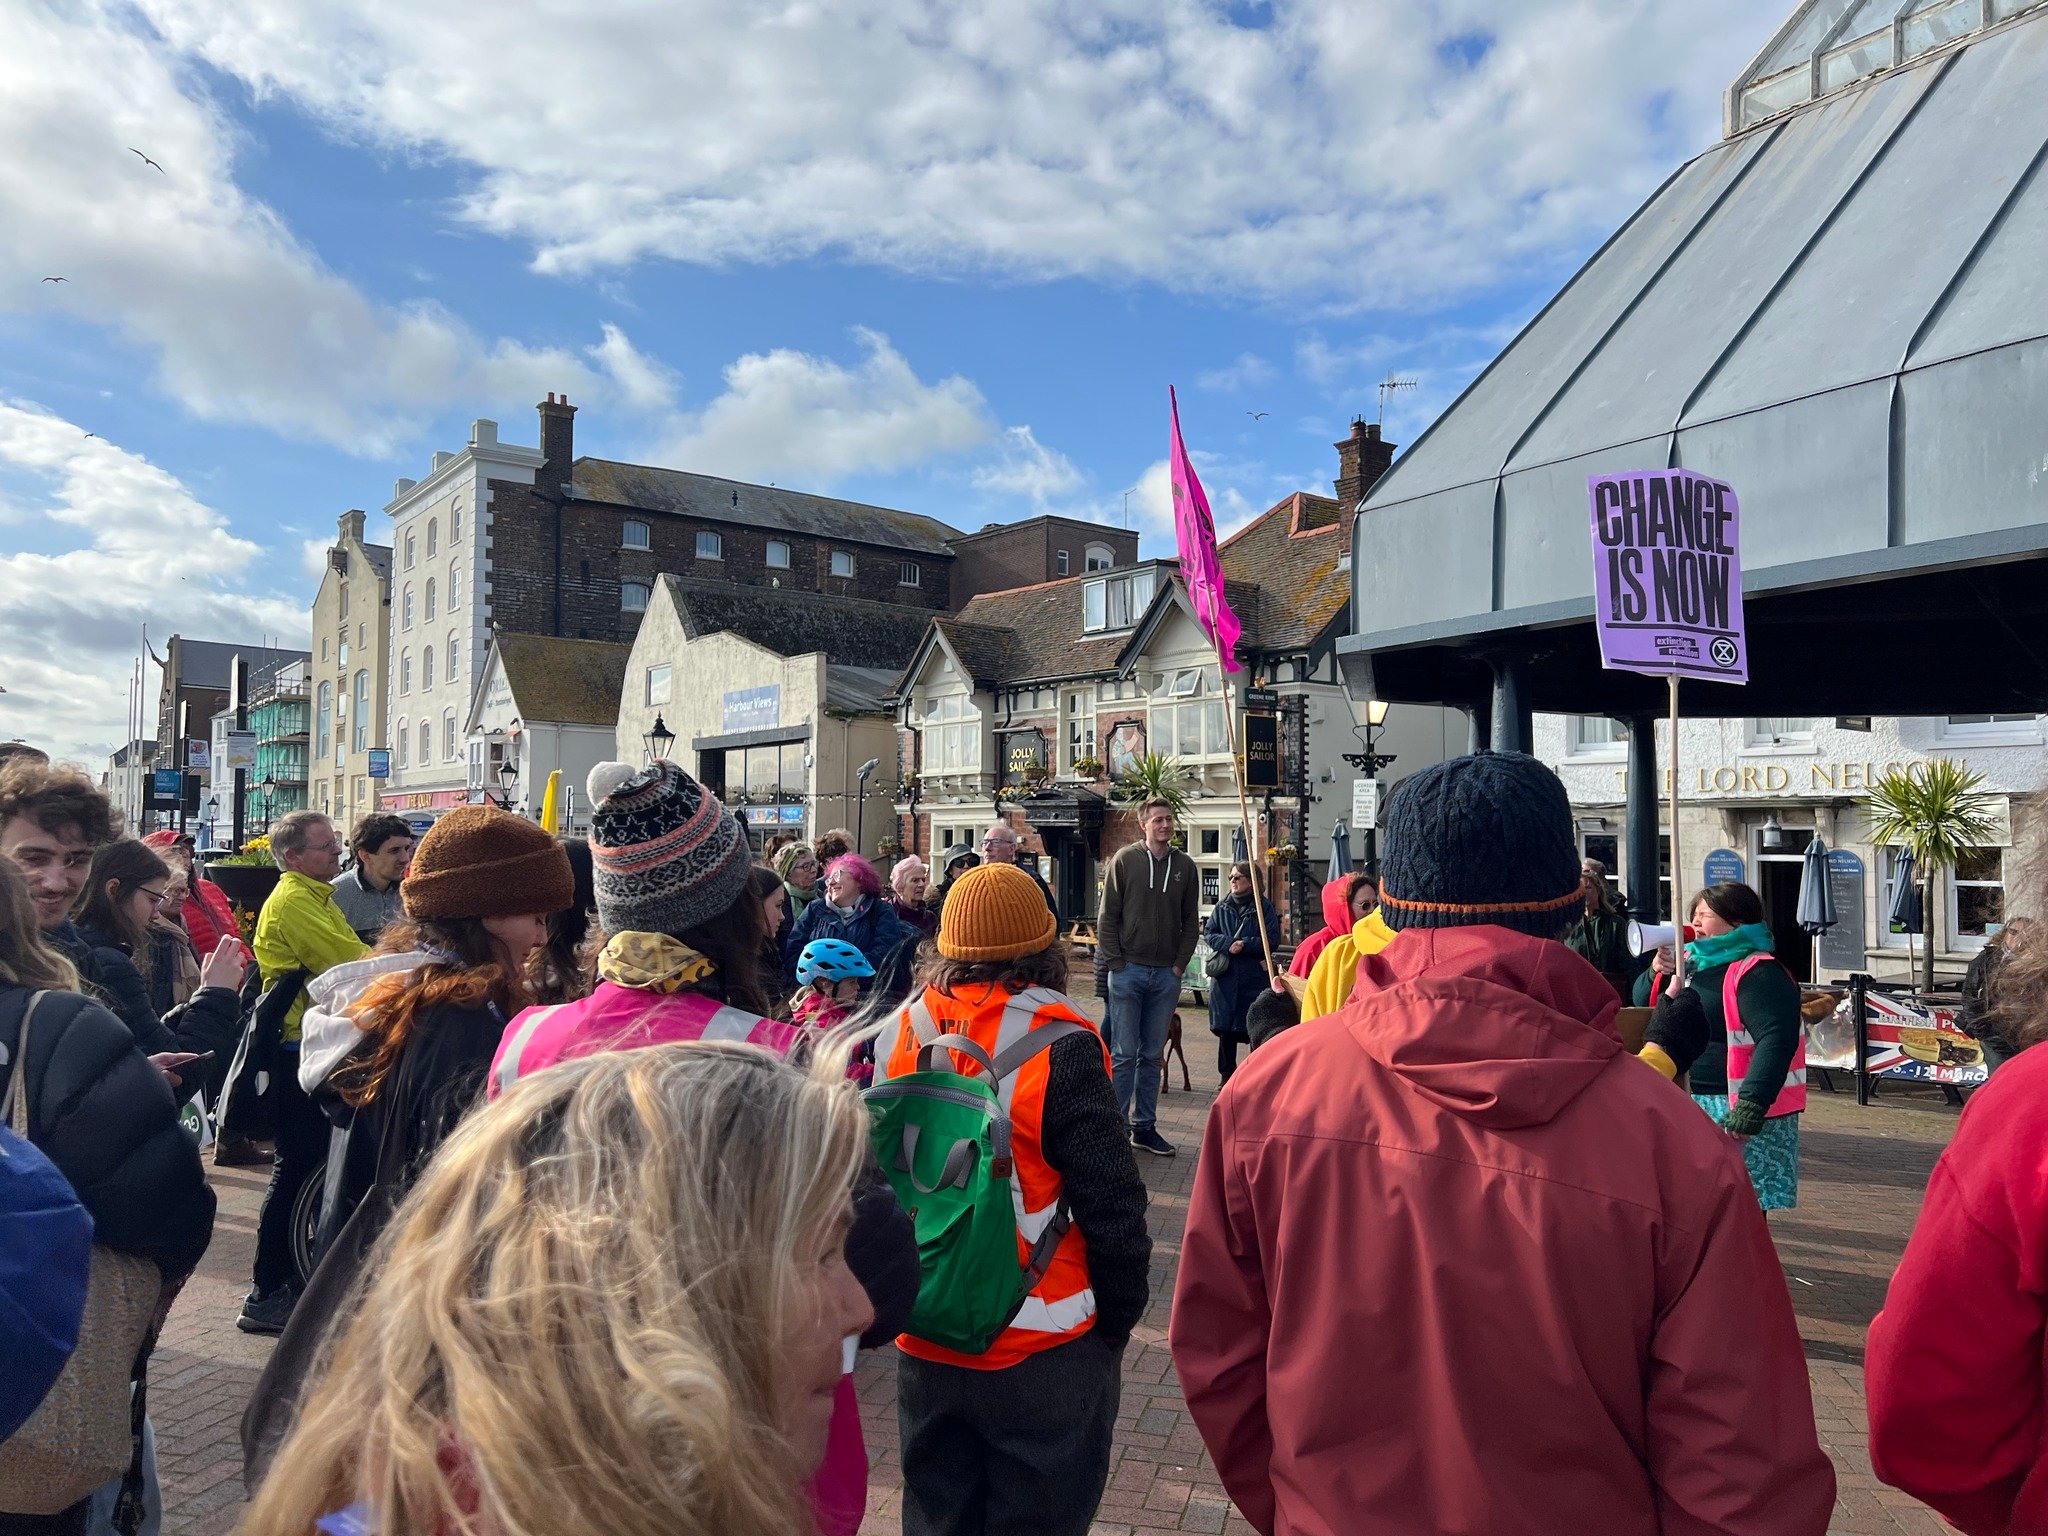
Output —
<point x="301" y="1155"/>
<point x="1017" y="1452"/>
<point x="1226" y="1054"/>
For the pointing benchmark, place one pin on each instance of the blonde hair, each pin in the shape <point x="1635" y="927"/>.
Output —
<point x="570" y="1328"/>
<point x="25" y="960"/>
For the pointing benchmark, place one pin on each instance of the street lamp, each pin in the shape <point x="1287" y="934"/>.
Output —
<point x="268" y="789"/>
<point x="508" y="775"/>
<point x="1370" y="762"/>
<point x="659" y="741"/>
<point x="212" y="815"/>
<point x="860" y="802"/>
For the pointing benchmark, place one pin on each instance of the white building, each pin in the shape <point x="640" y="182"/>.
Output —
<point x="441" y="617"/>
<point x="1754" y="792"/>
<point x="545" y="706"/>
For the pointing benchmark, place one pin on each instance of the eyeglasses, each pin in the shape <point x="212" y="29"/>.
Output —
<point x="156" y="898"/>
<point x="998" y="842"/>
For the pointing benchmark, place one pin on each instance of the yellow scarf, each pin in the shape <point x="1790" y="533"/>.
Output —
<point x="651" y="962"/>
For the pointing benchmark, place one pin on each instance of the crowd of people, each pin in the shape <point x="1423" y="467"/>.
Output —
<point x="625" y="1146"/>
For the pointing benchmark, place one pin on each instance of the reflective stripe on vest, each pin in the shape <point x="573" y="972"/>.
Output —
<point x="1040" y="1316"/>
<point x="508" y="1064"/>
<point x="1791" y="1099"/>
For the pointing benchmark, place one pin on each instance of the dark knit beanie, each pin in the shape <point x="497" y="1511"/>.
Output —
<point x="479" y="861"/>
<point x="1481" y="839"/>
<point x="665" y="853"/>
<point x="1271" y="1013"/>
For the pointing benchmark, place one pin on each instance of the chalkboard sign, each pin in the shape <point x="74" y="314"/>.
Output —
<point x="1841" y="947"/>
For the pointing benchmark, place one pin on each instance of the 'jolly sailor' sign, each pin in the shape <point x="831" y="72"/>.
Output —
<point x="1667" y="574"/>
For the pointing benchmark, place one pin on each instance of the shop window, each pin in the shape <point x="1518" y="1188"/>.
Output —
<point x="633" y="596"/>
<point x="636" y="534"/>
<point x="842" y="563"/>
<point x="777" y="558"/>
<point x="710" y="545"/>
<point x="657" y="685"/>
<point x="1977" y="895"/>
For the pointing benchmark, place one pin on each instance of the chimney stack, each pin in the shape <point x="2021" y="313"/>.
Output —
<point x="352" y="522"/>
<point x="1361" y="459"/>
<point x="557" y="442"/>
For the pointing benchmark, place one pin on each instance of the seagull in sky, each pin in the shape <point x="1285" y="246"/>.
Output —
<point x="145" y="159"/>
<point x="1258" y="415"/>
<point x="92" y="434"/>
<point x="56" y="279"/>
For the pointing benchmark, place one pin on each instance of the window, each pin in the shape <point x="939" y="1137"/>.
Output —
<point x="710" y="545"/>
<point x="454" y="586"/>
<point x="344" y="653"/>
<point x="361" y="739"/>
<point x="448" y="752"/>
<point x="455" y="521"/>
<point x="1977" y="894"/>
<point x="1077" y="727"/>
<point x="362" y="636"/>
<point x="1098" y="557"/>
<point x="344" y="599"/>
<point x="323" y="647"/>
<point x="427" y="667"/>
<point x="408" y="551"/>
<point x="778" y="554"/>
<point x="842" y="562"/>
<point x="1593" y="736"/>
<point x="657" y="685"/>
<point x="1888" y="862"/>
<point x="952" y="735"/>
<point x="1781" y="730"/>
<point x="909" y="574"/>
<point x="426" y="742"/>
<point x="405" y="609"/>
<point x="1062" y="563"/>
<point x="636" y="535"/>
<point x="1115" y="602"/>
<point x="454" y="657"/>
<point x="430" y="599"/>
<point x="324" y="730"/>
<point x="2009" y="728"/>
<point x="633" y="596"/>
<point x="1192" y="726"/>
<point x="405" y="671"/>
<point x="403" y="738"/>
<point x="433" y="537"/>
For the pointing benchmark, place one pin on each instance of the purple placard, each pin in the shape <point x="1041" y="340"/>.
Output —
<point x="1667" y="574"/>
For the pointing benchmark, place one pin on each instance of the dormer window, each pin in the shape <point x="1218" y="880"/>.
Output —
<point x="1115" y="602"/>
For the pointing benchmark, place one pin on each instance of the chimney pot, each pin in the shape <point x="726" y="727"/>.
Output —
<point x="1361" y="459"/>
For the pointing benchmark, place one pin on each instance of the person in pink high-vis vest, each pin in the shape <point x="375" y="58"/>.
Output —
<point x="681" y="962"/>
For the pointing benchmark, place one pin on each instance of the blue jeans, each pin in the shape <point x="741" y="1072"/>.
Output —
<point x="1142" y="998"/>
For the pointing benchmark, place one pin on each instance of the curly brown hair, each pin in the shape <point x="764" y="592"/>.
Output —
<point x="1045" y="968"/>
<point x="467" y="974"/>
<point x="55" y="798"/>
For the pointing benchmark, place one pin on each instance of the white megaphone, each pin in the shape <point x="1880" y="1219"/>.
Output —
<point x="1643" y="938"/>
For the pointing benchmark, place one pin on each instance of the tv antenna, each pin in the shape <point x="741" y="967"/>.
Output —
<point x="1127" y="505"/>
<point x="1387" y="386"/>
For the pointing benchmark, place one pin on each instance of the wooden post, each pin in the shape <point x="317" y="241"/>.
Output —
<point x="1244" y="812"/>
<point x="1678" y="914"/>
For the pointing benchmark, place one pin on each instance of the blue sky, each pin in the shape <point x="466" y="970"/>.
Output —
<point x="939" y="257"/>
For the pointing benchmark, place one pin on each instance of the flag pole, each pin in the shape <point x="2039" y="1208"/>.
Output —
<point x="1244" y="812"/>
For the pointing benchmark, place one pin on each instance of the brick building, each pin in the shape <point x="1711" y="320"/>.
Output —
<point x="1044" y="548"/>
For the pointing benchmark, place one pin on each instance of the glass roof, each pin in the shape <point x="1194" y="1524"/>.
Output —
<point x="1829" y="44"/>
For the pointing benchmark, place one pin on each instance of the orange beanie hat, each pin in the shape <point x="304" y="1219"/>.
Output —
<point x="994" y="912"/>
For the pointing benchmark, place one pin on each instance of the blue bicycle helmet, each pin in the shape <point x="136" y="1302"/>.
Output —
<point x="831" y="960"/>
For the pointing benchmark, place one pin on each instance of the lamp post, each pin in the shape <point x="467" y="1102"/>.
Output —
<point x="268" y="789"/>
<point x="508" y="775"/>
<point x="860" y="800"/>
<point x="212" y="815"/>
<point x="1370" y="762"/>
<point x="659" y="741"/>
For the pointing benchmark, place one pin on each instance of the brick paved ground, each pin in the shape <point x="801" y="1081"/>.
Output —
<point x="1864" y="1171"/>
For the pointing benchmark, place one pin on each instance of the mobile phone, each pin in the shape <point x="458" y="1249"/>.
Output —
<point x="194" y="1059"/>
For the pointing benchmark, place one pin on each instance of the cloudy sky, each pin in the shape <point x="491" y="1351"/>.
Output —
<point x="943" y="255"/>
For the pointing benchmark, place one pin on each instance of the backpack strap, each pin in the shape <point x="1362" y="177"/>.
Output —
<point x="1042" y="1038"/>
<point x="927" y="1055"/>
<point x="959" y="1161"/>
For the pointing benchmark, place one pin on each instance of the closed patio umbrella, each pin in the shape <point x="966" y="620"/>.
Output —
<point x="1906" y="916"/>
<point x="1816" y="898"/>
<point x="1340" y="851"/>
<point x="1237" y="848"/>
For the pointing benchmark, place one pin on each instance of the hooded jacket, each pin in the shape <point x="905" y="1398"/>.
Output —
<point x="1336" y="923"/>
<point x="1957" y="1368"/>
<point x="1335" y="972"/>
<point x="211" y="1021"/>
<point x="1464" y="1266"/>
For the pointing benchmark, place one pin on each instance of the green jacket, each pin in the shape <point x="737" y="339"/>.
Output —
<point x="1602" y="937"/>
<point x="301" y="929"/>
<point x="1769" y="1000"/>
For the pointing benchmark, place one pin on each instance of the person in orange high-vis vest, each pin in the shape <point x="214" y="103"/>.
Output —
<point x="1017" y="1439"/>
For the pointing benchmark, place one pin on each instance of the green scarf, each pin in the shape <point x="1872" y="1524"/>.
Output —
<point x="1727" y="948"/>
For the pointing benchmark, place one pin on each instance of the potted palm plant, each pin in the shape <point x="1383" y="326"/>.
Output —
<point x="1155" y="777"/>
<point x="1936" y="812"/>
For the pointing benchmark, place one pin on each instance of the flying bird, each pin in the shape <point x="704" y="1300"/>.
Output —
<point x="56" y="279"/>
<point x="92" y="434"/>
<point x="145" y="159"/>
<point x="1258" y="415"/>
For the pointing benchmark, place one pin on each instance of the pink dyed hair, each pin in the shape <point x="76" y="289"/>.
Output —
<point x="859" y="870"/>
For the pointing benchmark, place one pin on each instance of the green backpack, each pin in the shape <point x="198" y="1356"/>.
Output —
<point x="943" y="1140"/>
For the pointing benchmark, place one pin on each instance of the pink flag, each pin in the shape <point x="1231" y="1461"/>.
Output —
<point x="1195" y="532"/>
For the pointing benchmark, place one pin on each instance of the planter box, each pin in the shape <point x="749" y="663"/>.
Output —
<point x="247" y="885"/>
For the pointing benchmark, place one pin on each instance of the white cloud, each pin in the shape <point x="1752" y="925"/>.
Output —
<point x="1246" y="371"/>
<point x="145" y="550"/>
<point x="242" y="320"/>
<point x="1026" y="467"/>
<point x="796" y="418"/>
<point x="1367" y="155"/>
<point x="644" y="383"/>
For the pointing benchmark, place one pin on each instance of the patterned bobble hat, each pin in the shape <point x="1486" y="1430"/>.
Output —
<point x="1481" y="839"/>
<point x="665" y="853"/>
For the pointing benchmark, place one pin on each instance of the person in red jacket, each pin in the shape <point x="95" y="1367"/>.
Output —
<point x="1346" y="899"/>
<point x="1954" y="1373"/>
<point x="1455" y="1262"/>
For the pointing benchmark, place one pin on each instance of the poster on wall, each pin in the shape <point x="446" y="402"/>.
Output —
<point x="1667" y="582"/>
<point x="1922" y="1045"/>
